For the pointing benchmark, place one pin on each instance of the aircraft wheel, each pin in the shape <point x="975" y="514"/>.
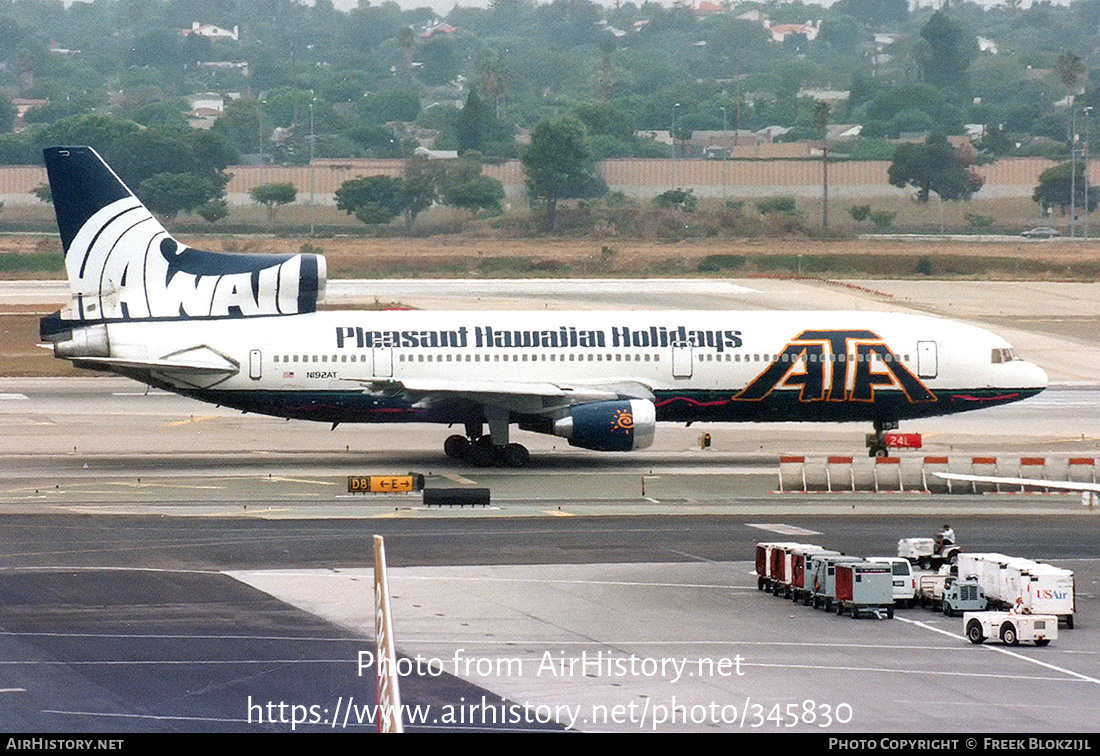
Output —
<point x="516" y="455"/>
<point x="456" y="446"/>
<point x="482" y="453"/>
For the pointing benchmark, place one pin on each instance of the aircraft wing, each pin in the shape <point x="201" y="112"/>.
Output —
<point x="1062" y="485"/>
<point x="520" y="396"/>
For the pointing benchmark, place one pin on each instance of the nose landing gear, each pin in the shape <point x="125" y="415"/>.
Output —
<point x="876" y="442"/>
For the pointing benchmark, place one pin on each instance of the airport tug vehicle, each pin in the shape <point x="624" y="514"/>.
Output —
<point x="950" y="594"/>
<point x="1011" y="627"/>
<point x="926" y="553"/>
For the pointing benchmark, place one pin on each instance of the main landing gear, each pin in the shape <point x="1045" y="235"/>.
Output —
<point x="491" y="450"/>
<point x="876" y="442"/>
<point x="482" y="452"/>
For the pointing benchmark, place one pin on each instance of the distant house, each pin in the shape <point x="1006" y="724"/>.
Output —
<point x="211" y="32"/>
<point x="206" y="101"/>
<point x="832" y="97"/>
<point x="445" y="29"/>
<point x="780" y="32"/>
<point x="705" y="9"/>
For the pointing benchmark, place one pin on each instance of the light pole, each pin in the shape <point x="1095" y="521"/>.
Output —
<point x="725" y="134"/>
<point x="1072" y="168"/>
<point x="260" y="128"/>
<point x="312" y="212"/>
<point x="1085" y="154"/>
<point x="675" y="108"/>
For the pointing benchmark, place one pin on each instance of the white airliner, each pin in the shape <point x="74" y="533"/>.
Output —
<point x="244" y="331"/>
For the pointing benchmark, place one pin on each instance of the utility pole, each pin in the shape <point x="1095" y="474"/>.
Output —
<point x="675" y="108"/>
<point x="1072" y="169"/>
<point x="312" y="209"/>
<point x="725" y="161"/>
<point x="1085" y="154"/>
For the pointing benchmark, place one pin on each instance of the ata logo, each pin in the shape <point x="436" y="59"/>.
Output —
<point x="623" y="420"/>
<point x="837" y="366"/>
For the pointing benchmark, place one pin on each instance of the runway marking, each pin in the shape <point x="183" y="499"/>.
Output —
<point x="557" y="513"/>
<point x="173" y="662"/>
<point x="782" y="529"/>
<point x="456" y="478"/>
<point x="1004" y="651"/>
<point x="541" y="581"/>
<point x="297" y="480"/>
<point x="194" y="420"/>
<point x="13" y="690"/>
<point x="162" y="717"/>
<point x="13" y="396"/>
<point x="138" y="484"/>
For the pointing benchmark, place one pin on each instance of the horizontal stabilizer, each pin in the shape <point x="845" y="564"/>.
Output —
<point x="162" y="366"/>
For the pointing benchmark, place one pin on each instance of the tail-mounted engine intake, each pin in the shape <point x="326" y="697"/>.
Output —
<point x="609" y="426"/>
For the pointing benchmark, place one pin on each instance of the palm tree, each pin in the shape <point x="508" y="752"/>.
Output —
<point x="1071" y="71"/>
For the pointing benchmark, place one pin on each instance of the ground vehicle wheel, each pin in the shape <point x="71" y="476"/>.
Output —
<point x="974" y="632"/>
<point x="855" y="612"/>
<point x="1069" y="622"/>
<point x="839" y="609"/>
<point x="760" y="584"/>
<point x="925" y="563"/>
<point x="1042" y="642"/>
<point x="947" y="609"/>
<point x="889" y="612"/>
<point x="1008" y="634"/>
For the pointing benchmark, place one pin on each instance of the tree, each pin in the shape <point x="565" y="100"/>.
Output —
<point x="559" y="165"/>
<point x="374" y="200"/>
<point x="420" y="189"/>
<point x="934" y="166"/>
<point x="859" y="213"/>
<point x="472" y="121"/>
<point x="1054" y="189"/>
<point x="1071" y="70"/>
<point x="169" y="194"/>
<point x="945" y="51"/>
<point x="677" y="199"/>
<point x="461" y="185"/>
<point x="274" y="196"/>
<point x="482" y="193"/>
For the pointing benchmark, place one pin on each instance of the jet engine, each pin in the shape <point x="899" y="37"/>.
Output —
<point x="622" y="425"/>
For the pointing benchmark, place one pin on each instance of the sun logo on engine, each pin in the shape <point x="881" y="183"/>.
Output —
<point x="623" y="420"/>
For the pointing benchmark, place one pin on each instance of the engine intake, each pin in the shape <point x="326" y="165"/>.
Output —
<point x="623" y="425"/>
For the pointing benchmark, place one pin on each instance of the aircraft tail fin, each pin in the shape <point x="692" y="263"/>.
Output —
<point x="123" y="265"/>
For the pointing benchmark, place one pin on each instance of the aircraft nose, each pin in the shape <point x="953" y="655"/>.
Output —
<point x="1031" y="376"/>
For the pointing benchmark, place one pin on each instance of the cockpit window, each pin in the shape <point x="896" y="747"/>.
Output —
<point x="1004" y="355"/>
